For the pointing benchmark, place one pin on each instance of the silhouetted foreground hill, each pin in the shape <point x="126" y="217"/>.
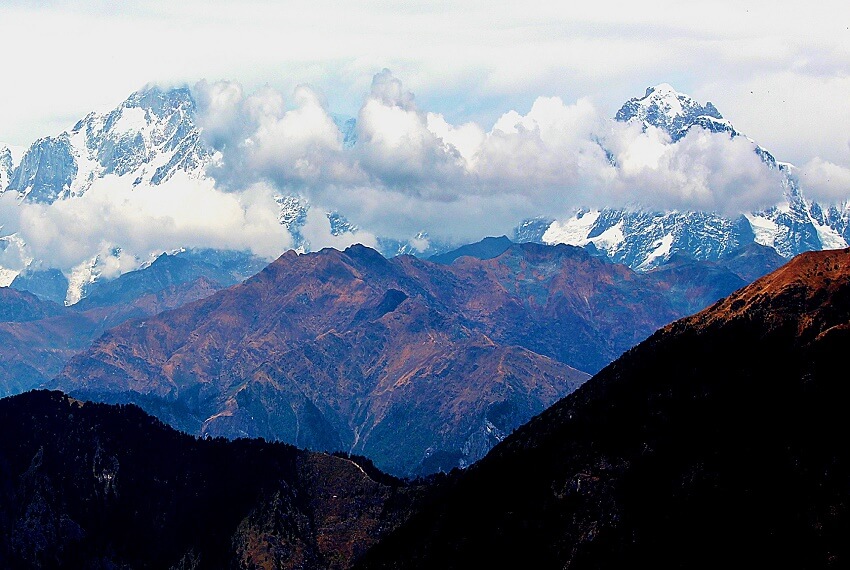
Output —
<point x="721" y="441"/>
<point x="86" y="485"/>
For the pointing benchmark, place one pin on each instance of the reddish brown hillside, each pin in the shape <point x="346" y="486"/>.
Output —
<point x="804" y="292"/>
<point x="419" y="366"/>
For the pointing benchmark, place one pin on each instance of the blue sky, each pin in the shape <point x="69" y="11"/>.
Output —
<point x="780" y="71"/>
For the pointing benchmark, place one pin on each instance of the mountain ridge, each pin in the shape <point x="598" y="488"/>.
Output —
<point x="718" y="438"/>
<point x="155" y="134"/>
<point x="346" y="350"/>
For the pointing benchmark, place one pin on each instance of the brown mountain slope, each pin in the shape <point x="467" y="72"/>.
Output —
<point x="38" y="337"/>
<point x="349" y="350"/>
<point x="336" y="350"/>
<point x="720" y="441"/>
<point x="33" y="351"/>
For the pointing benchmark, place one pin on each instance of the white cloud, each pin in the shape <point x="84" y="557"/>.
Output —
<point x="181" y="212"/>
<point x="261" y="138"/>
<point x="465" y="139"/>
<point x="412" y="170"/>
<point x="395" y="146"/>
<point x="317" y="231"/>
<point x="702" y="171"/>
<point x="469" y="60"/>
<point x="825" y="181"/>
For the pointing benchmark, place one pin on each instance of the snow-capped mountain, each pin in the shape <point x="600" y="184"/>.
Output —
<point x="149" y="136"/>
<point x="145" y="140"/>
<point x="673" y="112"/>
<point x="5" y="166"/>
<point x="155" y="134"/>
<point x="644" y="239"/>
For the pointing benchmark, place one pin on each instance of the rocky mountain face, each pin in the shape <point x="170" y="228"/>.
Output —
<point x="86" y="485"/>
<point x="147" y="139"/>
<point x="352" y="351"/>
<point x="47" y="284"/>
<point x="720" y="438"/>
<point x="643" y="239"/>
<point x="149" y="136"/>
<point x="671" y="111"/>
<point x="38" y="336"/>
<point x="6" y="166"/>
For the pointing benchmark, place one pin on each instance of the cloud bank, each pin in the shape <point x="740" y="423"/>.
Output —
<point x="124" y="226"/>
<point x="410" y="172"/>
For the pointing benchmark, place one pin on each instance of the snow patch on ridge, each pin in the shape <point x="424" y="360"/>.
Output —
<point x="81" y="276"/>
<point x="133" y="120"/>
<point x="829" y="238"/>
<point x="610" y="239"/>
<point x="88" y="168"/>
<point x="7" y="276"/>
<point x="573" y="231"/>
<point x="765" y="229"/>
<point x="661" y="251"/>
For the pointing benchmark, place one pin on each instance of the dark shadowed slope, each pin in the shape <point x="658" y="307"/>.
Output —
<point x="21" y="306"/>
<point x="87" y="485"/>
<point x="487" y="248"/>
<point x="721" y="441"/>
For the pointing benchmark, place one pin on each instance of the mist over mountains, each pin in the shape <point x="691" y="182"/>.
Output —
<point x="423" y="363"/>
<point x="216" y="167"/>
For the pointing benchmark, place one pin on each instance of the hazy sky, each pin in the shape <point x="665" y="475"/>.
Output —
<point x="780" y="71"/>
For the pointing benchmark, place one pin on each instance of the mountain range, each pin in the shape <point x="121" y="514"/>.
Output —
<point x="643" y="238"/>
<point x="716" y="441"/>
<point x="696" y="442"/>
<point x="353" y="351"/>
<point x="155" y="134"/>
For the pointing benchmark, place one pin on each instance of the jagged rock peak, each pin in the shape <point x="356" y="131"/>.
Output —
<point x="149" y="137"/>
<point x="667" y="109"/>
<point x="5" y="166"/>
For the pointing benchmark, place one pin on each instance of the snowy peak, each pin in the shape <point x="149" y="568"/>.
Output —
<point x="673" y="112"/>
<point x="151" y="134"/>
<point x="46" y="171"/>
<point x="148" y="137"/>
<point x="5" y="167"/>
